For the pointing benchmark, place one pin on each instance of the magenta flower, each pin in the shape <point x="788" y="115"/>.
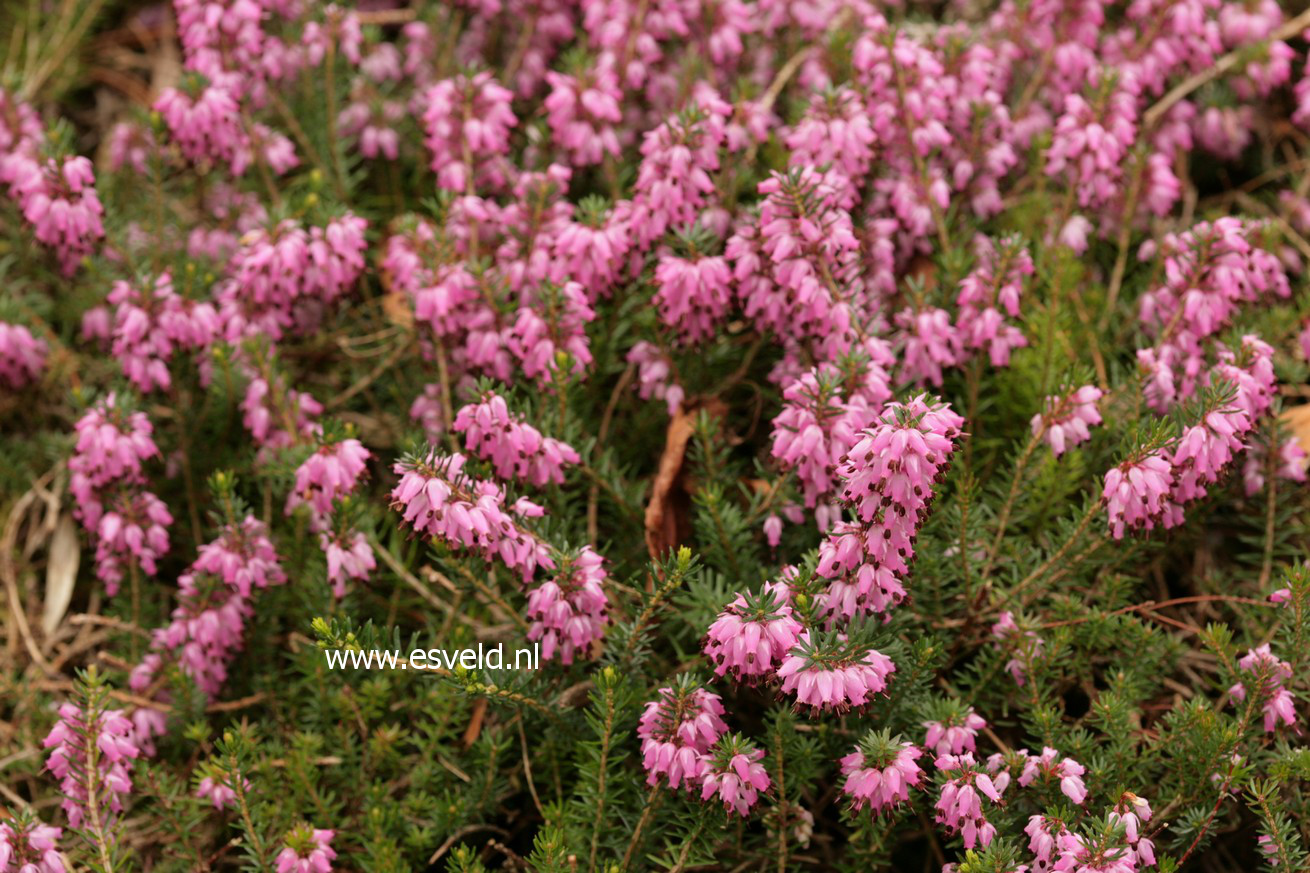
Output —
<point x="515" y="448"/>
<point x="243" y="556"/>
<point x="349" y="556"/>
<point x="954" y="734"/>
<point x="889" y="475"/>
<point x="268" y="410"/>
<point x="734" y="774"/>
<point x="673" y="182"/>
<point x="582" y="111"/>
<point x="468" y="122"/>
<point x="818" y="426"/>
<point x="22" y="356"/>
<point x="1131" y="812"/>
<point x="1270" y="674"/>
<point x="328" y="475"/>
<point x="205" y="634"/>
<point x="60" y="202"/>
<point x="437" y="498"/>
<point x="1027" y="644"/>
<point x="880" y="773"/>
<point x="827" y="673"/>
<point x="1050" y="766"/>
<point x="959" y="807"/>
<point x="655" y="375"/>
<point x="753" y="634"/>
<point x="931" y="344"/>
<point x="28" y="846"/>
<point x="693" y="294"/>
<point x="677" y="730"/>
<point x="593" y="248"/>
<point x="549" y="335"/>
<point x="150" y="326"/>
<point x="567" y="612"/>
<point x="308" y="850"/>
<point x="70" y="741"/>
<point x="217" y="791"/>
<point x="1136" y="493"/>
<point x="206" y="125"/>
<point x="798" y="266"/>
<point x="990" y="293"/>
<point x="1044" y="834"/>
<point x="1066" y="421"/>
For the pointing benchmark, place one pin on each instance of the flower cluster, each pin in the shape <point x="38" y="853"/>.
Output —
<point x="516" y="449"/>
<point x="92" y="756"/>
<point x="22" y="356"/>
<point x="888" y="479"/>
<point x="130" y="524"/>
<point x="677" y="731"/>
<point x="1271" y="675"/>
<point x="880" y="773"/>
<point x="437" y="498"/>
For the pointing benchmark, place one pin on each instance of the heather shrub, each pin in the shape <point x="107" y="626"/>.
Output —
<point x="668" y="435"/>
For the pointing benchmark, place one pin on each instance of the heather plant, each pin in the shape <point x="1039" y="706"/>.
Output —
<point x="882" y="427"/>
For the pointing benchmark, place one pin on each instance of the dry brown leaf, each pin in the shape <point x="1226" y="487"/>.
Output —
<point x="60" y="574"/>
<point x="668" y="523"/>
<point x="1297" y="421"/>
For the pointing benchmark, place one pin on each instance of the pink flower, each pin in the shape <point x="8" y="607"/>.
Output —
<point x="734" y="774"/>
<point x="70" y="741"/>
<point x="243" y="557"/>
<point x="932" y="344"/>
<point x="955" y="734"/>
<point x="592" y="249"/>
<point x="582" y="111"/>
<point x="150" y="326"/>
<point x="693" y="294"/>
<point x="959" y="807"/>
<point x="1048" y="765"/>
<point x="1066" y="420"/>
<point x="308" y="850"/>
<point x="60" y="201"/>
<point x="328" y="475"/>
<point x="880" y="773"/>
<point x="206" y="125"/>
<point x="989" y="293"/>
<point x="217" y="791"/>
<point x="1027" y="643"/>
<point x="468" y="122"/>
<point x="549" y="335"/>
<point x="349" y="556"/>
<point x="28" y="846"/>
<point x="655" y="375"/>
<point x="836" y="130"/>
<point x="673" y="182"/>
<point x="677" y="730"/>
<point x="1044" y="835"/>
<point x="1131" y="812"/>
<point x="267" y="410"/>
<point x="516" y="449"/>
<point x="22" y="356"/>
<point x="205" y="634"/>
<point x="753" y="634"/>
<point x="818" y="425"/>
<point x="825" y="673"/>
<point x="888" y="477"/>
<point x="1271" y="673"/>
<point x="1090" y="142"/>
<point x="567" y="612"/>
<point x="437" y="498"/>
<point x="1136" y="493"/>
<point x="798" y="265"/>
